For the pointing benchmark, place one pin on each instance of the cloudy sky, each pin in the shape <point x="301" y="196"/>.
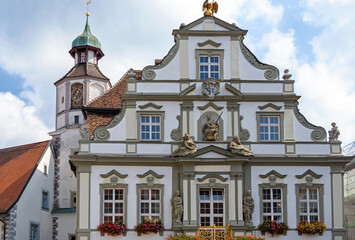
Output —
<point x="313" y="38"/>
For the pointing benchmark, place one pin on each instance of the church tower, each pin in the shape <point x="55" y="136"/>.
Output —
<point x="83" y="83"/>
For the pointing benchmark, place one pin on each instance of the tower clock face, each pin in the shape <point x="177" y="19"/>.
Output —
<point x="77" y="95"/>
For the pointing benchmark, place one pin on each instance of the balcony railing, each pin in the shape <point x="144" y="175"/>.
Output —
<point x="215" y="232"/>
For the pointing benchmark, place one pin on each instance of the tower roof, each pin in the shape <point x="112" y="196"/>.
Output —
<point x="86" y="38"/>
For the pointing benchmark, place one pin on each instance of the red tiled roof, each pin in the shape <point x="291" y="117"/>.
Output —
<point x="111" y="99"/>
<point x="16" y="167"/>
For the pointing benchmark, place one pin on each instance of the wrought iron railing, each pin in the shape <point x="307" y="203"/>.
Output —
<point x="215" y="232"/>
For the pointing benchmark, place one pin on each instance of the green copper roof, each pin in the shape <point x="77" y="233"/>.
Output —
<point x="86" y="38"/>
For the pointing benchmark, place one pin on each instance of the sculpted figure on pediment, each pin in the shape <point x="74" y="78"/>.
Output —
<point x="84" y="132"/>
<point x="236" y="147"/>
<point x="334" y="132"/>
<point x="186" y="148"/>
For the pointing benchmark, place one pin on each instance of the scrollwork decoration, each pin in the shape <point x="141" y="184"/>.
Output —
<point x="318" y="134"/>
<point x="271" y="72"/>
<point x="101" y="133"/>
<point x="148" y="72"/>
<point x="176" y="133"/>
<point x="244" y="133"/>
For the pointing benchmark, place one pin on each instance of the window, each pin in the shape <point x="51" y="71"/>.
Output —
<point x="150" y="203"/>
<point x="209" y="67"/>
<point x="45" y="199"/>
<point x="82" y="57"/>
<point x="45" y="169"/>
<point x="309" y="204"/>
<point x="76" y="119"/>
<point x="34" y="232"/>
<point x="150" y="128"/>
<point x="72" y="237"/>
<point x="211" y="206"/>
<point x="72" y="199"/>
<point x="272" y="204"/>
<point x="62" y="99"/>
<point x="113" y="205"/>
<point x="269" y="128"/>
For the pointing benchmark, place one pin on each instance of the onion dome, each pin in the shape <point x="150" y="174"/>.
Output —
<point x="86" y="38"/>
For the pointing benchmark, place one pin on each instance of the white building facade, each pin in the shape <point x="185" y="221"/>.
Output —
<point x="209" y="74"/>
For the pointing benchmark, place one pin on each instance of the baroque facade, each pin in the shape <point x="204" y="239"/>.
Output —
<point x="210" y="123"/>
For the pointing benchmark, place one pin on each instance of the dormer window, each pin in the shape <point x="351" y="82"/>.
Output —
<point x="82" y="57"/>
<point x="209" y="67"/>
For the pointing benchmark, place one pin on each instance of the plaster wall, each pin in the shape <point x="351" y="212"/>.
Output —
<point x="67" y="180"/>
<point x="61" y="94"/>
<point x="29" y="207"/>
<point x="118" y="133"/>
<point x="60" y="120"/>
<point x="108" y="148"/>
<point x="291" y="180"/>
<point x="311" y="149"/>
<point x="275" y="87"/>
<point x="157" y="87"/>
<point x="132" y="180"/>
<point x="73" y="113"/>
<point x="170" y="71"/>
<point x="66" y="225"/>
<point x="248" y="71"/>
<point x="95" y="91"/>
<point x="302" y="133"/>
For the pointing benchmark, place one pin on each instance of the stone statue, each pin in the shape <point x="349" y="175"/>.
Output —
<point x="84" y="132"/>
<point x="236" y="147"/>
<point x="178" y="209"/>
<point x="248" y="207"/>
<point x="334" y="133"/>
<point x="210" y="129"/>
<point x="186" y="148"/>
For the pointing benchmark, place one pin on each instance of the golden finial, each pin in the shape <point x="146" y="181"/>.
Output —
<point x="87" y="8"/>
<point x="210" y="8"/>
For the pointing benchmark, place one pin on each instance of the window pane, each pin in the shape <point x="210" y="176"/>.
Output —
<point x="144" y="194"/>
<point x="205" y="208"/>
<point x="277" y="207"/>
<point x="214" y="59"/>
<point x="313" y="194"/>
<point x="145" y="208"/>
<point x="303" y="207"/>
<point x="276" y="194"/>
<point x="314" y="219"/>
<point x="118" y="219"/>
<point x="204" y="195"/>
<point x="204" y="59"/>
<point x="278" y="218"/>
<point x="303" y="193"/>
<point x="108" y="194"/>
<point x="218" y="195"/>
<point x="266" y="194"/>
<point x="267" y="207"/>
<point x="313" y="207"/>
<point x="119" y="194"/>
<point x="155" y="194"/>
<point x="118" y="207"/>
<point x="218" y="221"/>
<point x="155" y="207"/>
<point x="108" y="208"/>
<point x="108" y="219"/>
<point x="218" y="208"/>
<point x="205" y="221"/>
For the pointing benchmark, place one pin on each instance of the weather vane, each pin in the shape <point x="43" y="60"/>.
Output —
<point x="87" y="8"/>
<point x="210" y="8"/>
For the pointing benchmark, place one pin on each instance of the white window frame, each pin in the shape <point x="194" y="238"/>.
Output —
<point x="308" y="202"/>
<point x="150" y="201"/>
<point x="34" y="235"/>
<point x="272" y="201"/>
<point x="150" y="124"/>
<point x="211" y="202"/>
<point x="209" y="65"/>
<point x="269" y="126"/>
<point x="113" y="201"/>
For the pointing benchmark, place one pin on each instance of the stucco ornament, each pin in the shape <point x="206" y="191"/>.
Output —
<point x="186" y="148"/>
<point x="236" y="147"/>
<point x="178" y="210"/>
<point x="176" y="133"/>
<point x="84" y="132"/>
<point x="248" y="207"/>
<point x="210" y="129"/>
<point x="210" y="88"/>
<point x="334" y="133"/>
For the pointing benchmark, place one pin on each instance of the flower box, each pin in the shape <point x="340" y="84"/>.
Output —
<point x="273" y="227"/>
<point x="305" y="227"/>
<point x="150" y="226"/>
<point x="112" y="229"/>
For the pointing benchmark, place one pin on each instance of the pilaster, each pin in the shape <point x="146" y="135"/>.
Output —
<point x="187" y="118"/>
<point x="131" y="120"/>
<point x="184" y="58"/>
<point x="83" y="206"/>
<point x="289" y="125"/>
<point x="232" y="120"/>
<point x="235" y="72"/>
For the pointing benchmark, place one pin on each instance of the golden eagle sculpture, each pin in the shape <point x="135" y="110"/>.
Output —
<point x="210" y="8"/>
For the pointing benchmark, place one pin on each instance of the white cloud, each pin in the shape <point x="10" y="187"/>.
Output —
<point x="19" y="123"/>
